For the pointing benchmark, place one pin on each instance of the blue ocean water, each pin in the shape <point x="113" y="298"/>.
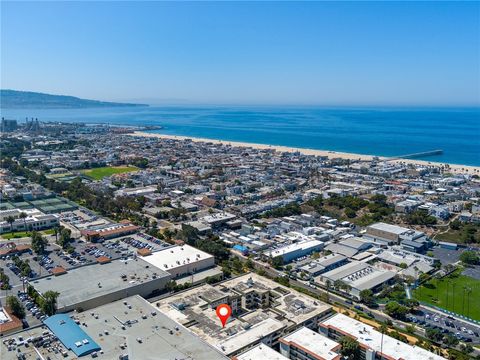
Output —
<point x="377" y="131"/>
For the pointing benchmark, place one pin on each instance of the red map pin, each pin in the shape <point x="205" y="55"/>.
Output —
<point x="223" y="312"/>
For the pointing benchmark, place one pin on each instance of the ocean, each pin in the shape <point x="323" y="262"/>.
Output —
<point x="373" y="131"/>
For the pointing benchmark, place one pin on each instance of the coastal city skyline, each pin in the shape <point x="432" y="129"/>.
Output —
<point x="239" y="180"/>
<point x="260" y="53"/>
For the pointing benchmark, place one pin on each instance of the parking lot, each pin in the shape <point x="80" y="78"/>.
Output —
<point x="83" y="253"/>
<point x="473" y="272"/>
<point x="446" y="256"/>
<point x="447" y="325"/>
<point x="128" y="245"/>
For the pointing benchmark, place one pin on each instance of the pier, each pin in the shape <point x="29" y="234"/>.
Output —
<point x="418" y="154"/>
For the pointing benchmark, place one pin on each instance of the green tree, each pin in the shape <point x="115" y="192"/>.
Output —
<point x="10" y="220"/>
<point x="39" y="243"/>
<point x="469" y="257"/>
<point x="23" y="216"/>
<point x="350" y="348"/>
<point x="277" y="262"/>
<point x="396" y="310"/>
<point x="16" y="306"/>
<point x="350" y="213"/>
<point x="65" y="237"/>
<point x="367" y="297"/>
<point x="434" y="334"/>
<point x="450" y="340"/>
<point x="4" y="280"/>
<point x="49" y="303"/>
<point x="455" y="225"/>
<point x="250" y="264"/>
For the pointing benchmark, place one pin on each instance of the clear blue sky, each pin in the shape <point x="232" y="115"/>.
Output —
<point x="379" y="53"/>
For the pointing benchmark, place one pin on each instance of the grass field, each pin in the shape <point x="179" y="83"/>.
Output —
<point x="100" y="173"/>
<point x="457" y="293"/>
<point x="15" y="235"/>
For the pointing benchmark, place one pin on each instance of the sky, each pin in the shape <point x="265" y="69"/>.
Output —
<point x="288" y="53"/>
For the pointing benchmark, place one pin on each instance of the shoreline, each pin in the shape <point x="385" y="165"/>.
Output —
<point x="453" y="168"/>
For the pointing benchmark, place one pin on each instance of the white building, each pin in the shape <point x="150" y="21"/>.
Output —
<point x="295" y="250"/>
<point x="180" y="261"/>
<point x="371" y="345"/>
<point x="137" y="191"/>
<point x="34" y="220"/>
<point x="359" y="276"/>
<point x="306" y="344"/>
<point x="262" y="352"/>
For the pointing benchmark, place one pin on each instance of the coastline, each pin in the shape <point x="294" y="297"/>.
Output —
<point x="453" y="168"/>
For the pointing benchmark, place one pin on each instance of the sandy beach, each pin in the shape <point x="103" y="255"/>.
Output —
<point x="454" y="168"/>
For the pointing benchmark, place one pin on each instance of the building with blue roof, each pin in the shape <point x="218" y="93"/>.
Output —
<point x="71" y="335"/>
<point x="241" y="248"/>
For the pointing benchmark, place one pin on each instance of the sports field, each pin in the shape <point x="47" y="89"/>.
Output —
<point x="456" y="293"/>
<point x="101" y="172"/>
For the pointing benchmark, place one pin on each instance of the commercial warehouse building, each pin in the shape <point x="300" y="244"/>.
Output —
<point x="127" y="329"/>
<point x="71" y="335"/>
<point x="296" y="250"/>
<point x="359" y="276"/>
<point x="392" y="234"/>
<point x="180" y="261"/>
<point x="89" y="286"/>
<point x="323" y="265"/>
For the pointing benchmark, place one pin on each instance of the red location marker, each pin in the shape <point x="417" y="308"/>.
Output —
<point x="223" y="312"/>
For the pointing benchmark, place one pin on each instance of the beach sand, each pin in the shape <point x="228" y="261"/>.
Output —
<point x="453" y="168"/>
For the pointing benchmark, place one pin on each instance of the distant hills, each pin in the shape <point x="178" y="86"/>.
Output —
<point x="13" y="99"/>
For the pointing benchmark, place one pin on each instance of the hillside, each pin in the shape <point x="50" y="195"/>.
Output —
<point x="13" y="99"/>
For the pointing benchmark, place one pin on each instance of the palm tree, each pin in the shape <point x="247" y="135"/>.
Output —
<point x="383" y="330"/>
<point x="10" y="219"/>
<point x="56" y="230"/>
<point x="23" y="216"/>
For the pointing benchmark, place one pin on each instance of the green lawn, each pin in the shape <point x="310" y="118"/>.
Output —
<point x="100" y="173"/>
<point x="469" y="233"/>
<point x="457" y="293"/>
<point x="15" y="235"/>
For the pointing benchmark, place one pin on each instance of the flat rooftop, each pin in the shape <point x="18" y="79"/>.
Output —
<point x="130" y="326"/>
<point x="398" y="230"/>
<point x="147" y="333"/>
<point x="359" y="275"/>
<point x="243" y="338"/>
<point x="192" y="308"/>
<point x="44" y="342"/>
<point x="295" y="306"/>
<point x="92" y="281"/>
<point x="262" y="352"/>
<point x="345" y="270"/>
<point x="303" y="245"/>
<point x="396" y="258"/>
<point x="314" y="343"/>
<point x="368" y="336"/>
<point x="176" y="256"/>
